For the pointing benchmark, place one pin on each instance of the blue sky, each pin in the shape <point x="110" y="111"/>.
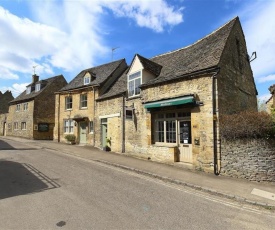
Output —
<point x="67" y="36"/>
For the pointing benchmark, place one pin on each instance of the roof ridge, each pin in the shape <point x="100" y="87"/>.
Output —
<point x="108" y="63"/>
<point x="173" y="51"/>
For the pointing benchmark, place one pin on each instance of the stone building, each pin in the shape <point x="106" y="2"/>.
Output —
<point x="31" y="114"/>
<point x="75" y="103"/>
<point x="270" y="104"/>
<point x="4" y="109"/>
<point x="167" y="108"/>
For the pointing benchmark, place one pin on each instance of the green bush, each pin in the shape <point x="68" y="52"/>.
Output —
<point x="247" y="124"/>
<point x="70" y="137"/>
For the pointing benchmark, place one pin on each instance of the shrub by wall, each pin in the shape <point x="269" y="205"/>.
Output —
<point x="248" y="146"/>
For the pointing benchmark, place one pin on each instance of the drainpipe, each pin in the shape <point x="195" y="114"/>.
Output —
<point x="58" y="122"/>
<point x="123" y="124"/>
<point x="217" y="161"/>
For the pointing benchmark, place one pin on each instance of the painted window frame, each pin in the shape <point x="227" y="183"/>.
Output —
<point x="83" y="100"/>
<point x="68" y="126"/>
<point x="15" y="125"/>
<point x="87" y="80"/>
<point x="68" y="103"/>
<point x="23" y="125"/>
<point x="37" y="87"/>
<point x="18" y="107"/>
<point x="134" y="80"/>
<point x="166" y="126"/>
<point x="25" y="106"/>
<point x="28" y="90"/>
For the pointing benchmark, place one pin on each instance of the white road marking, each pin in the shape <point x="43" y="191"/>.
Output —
<point x="264" y="194"/>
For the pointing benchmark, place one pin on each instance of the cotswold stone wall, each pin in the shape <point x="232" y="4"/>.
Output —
<point x="249" y="159"/>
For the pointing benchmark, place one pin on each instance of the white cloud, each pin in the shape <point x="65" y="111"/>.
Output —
<point x="259" y="28"/>
<point x="155" y="15"/>
<point x="16" y="89"/>
<point x="267" y="78"/>
<point x="70" y="34"/>
<point x="264" y="97"/>
<point x="6" y="74"/>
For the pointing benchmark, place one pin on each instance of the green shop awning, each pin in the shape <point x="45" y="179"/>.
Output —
<point x="171" y="102"/>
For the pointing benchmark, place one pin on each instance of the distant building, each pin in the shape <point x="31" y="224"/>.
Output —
<point x="4" y="109"/>
<point x="270" y="104"/>
<point x="31" y="114"/>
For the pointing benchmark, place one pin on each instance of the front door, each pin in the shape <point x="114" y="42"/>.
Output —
<point x="82" y="132"/>
<point x="185" y="145"/>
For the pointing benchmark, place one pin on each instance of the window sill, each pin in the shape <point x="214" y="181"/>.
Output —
<point x="133" y="97"/>
<point x="83" y="108"/>
<point x="68" y="109"/>
<point x="170" y="145"/>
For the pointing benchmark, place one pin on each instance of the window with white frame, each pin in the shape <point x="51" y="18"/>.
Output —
<point x="28" y="90"/>
<point x="87" y="79"/>
<point x="91" y="126"/>
<point x="15" y="125"/>
<point x="68" y="102"/>
<point x="23" y="125"/>
<point x="134" y="81"/>
<point x="37" y="87"/>
<point x="18" y="107"/>
<point x="166" y="126"/>
<point x="83" y="101"/>
<point x="25" y="106"/>
<point x="69" y="126"/>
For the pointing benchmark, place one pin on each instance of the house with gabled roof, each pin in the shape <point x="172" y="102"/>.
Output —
<point x="270" y="103"/>
<point x="75" y="111"/>
<point x="167" y="108"/>
<point x="32" y="113"/>
<point x="5" y="98"/>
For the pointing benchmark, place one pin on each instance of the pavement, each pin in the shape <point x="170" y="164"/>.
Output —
<point x="253" y="193"/>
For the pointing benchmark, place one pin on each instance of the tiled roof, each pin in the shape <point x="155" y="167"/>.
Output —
<point x="101" y="74"/>
<point x="149" y="65"/>
<point x="119" y="87"/>
<point x="201" y="55"/>
<point x="24" y="97"/>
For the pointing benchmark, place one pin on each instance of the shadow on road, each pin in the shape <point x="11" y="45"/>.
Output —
<point x="6" y="146"/>
<point x="20" y="179"/>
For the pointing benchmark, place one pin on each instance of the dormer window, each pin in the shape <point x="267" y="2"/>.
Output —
<point x="87" y="79"/>
<point x="134" y="81"/>
<point x="28" y="91"/>
<point x="37" y="87"/>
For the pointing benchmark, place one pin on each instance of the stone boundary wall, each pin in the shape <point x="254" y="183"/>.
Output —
<point x="249" y="159"/>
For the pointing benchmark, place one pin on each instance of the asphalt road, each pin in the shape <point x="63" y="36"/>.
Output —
<point x="44" y="189"/>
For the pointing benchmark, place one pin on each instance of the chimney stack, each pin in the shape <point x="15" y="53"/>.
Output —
<point x="35" y="78"/>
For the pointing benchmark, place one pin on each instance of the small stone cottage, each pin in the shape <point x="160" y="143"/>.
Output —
<point x="75" y="111"/>
<point x="32" y="113"/>
<point x="167" y="108"/>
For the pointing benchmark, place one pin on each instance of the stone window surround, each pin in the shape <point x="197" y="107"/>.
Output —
<point x="68" y="103"/>
<point x="25" y="106"/>
<point x="68" y="126"/>
<point x="17" y="107"/>
<point x="83" y="101"/>
<point x="15" y="125"/>
<point x="23" y="125"/>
